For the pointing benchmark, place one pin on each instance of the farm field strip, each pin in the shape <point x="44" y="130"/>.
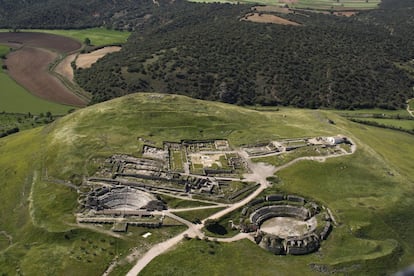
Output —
<point x="29" y="67"/>
<point x="16" y="99"/>
<point x="309" y="4"/>
<point x="98" y="36"/>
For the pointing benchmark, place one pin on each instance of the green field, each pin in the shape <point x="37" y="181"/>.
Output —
<point x="16" y="99"/>
<point x="309" y="4"/>
<point x="98" y="36"/>
<point x="403" y="124"/>
<point x="372" y="112"/>
<point x="370" y="193"/>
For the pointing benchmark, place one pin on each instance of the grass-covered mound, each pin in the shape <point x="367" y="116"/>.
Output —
<point x="370" y="193"/>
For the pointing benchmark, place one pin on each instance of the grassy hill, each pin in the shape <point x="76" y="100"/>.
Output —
<point x="370" y="192"/>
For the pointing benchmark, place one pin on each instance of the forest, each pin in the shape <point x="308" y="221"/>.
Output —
<point x="205" y="51"/>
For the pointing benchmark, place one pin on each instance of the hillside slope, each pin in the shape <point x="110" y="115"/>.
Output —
<point x="370" y="193"/>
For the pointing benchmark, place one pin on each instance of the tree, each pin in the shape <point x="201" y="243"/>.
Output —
<point x="87" y="41"/>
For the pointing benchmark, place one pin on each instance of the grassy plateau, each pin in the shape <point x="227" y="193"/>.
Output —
<point x="370" y="193"/>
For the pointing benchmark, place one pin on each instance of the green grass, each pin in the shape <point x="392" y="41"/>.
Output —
<point x="196" y="215"/>
<point x="370" y="193"/>
<point x="278" y="160"/>
<point x="403" y="124"/>
<point x="22" y="121"/>
<point x="174" y="202"/>
<point x="98" y="36"/>
<point x="244" y="258"/>
<point x="372" y="112"/>
<point x="4" y="50"/>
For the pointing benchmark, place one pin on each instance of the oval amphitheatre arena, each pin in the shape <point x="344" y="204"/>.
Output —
<point x="287" y="224"/>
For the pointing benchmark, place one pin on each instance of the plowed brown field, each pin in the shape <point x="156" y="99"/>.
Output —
<point x="29" y="64"/>
<point x="29" y="67"/>
<point x="40" y="40"/>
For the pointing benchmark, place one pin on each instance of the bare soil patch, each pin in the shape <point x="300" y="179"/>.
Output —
<point x="268" y="18"/>
<point x="86" y="60"/>
<point x="345" y="13"/>
<point x="64" y="68"/>
<point x="40" y="40"/>
<point x="29" y="67"/>
<point x="286" y="226"/>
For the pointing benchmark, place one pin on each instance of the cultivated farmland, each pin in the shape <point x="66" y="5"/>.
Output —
<point x="15" y="99"/>
<point x="29" y="64"/>
<point x="309" y="4"/>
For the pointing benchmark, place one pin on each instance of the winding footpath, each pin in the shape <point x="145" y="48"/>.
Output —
<point x="411" y="112"/>
<point x="259" y="173"/>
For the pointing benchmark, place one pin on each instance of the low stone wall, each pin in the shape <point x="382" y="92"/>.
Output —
<point x="277" y="205"/>
<point x="264" y="213"/>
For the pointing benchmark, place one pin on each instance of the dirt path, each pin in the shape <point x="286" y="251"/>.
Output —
<point x="411" y="112"/>
<point x="64" y="68"/>
<point x="197" y="208"/>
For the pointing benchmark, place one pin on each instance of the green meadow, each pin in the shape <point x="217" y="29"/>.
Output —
<point x="369" y="193"/>
<point x="97" y="36"/>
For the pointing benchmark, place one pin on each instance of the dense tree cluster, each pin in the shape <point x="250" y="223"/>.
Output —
<point x="208" y="53"/>
<point x="205" y="51"/>
<point x="62" y="14"/>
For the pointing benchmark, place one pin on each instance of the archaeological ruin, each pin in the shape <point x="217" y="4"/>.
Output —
<point x="286" y="224"/>
<point x="127" y="190"/>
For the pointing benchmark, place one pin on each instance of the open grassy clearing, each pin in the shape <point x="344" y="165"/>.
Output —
<point x="403" y="124"/>
<point x="372" y="112"/>
<point x="10" y="121"/>
<point x="198" y="215"/>
<point x="370" y="193"/>
<point x="98" y="36"/>
<point x="174" y="202"/>
<point x="244" y="258"/>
